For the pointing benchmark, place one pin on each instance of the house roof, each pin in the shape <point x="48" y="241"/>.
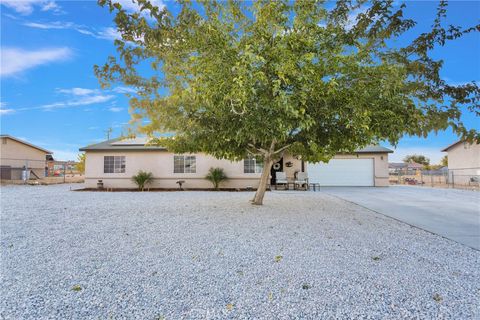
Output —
<point x="403" y="165"/>
<point x="414" y="165"/>
<point x="122" y="144"/>
<point x="374" y="149"/>
<point x="397" y="165"/>
<point x="25" y="143"/>
<point x="452" y="145"/>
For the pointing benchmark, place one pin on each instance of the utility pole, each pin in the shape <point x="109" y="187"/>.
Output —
<point x="108" y="131"/>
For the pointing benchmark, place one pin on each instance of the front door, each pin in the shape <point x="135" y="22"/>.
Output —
<point x="276" y="167"/>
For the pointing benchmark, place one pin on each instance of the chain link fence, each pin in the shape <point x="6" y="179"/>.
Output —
<point x="453" y="178"/>
<point x="23" y="171"/>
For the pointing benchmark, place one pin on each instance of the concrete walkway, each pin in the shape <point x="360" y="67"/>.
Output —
<point x="453" y="214"/>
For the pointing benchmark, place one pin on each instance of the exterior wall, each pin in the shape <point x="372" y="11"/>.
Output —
<point x="296" y="166"/>
<point x="380" y="161"/>
<point x="17" y="155"/>
<point x="160" y="163"/>
<point x="464" y="162"/>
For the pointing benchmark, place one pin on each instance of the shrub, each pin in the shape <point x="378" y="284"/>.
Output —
<point x="216" y="176"/>
<point x="142" y="178"/>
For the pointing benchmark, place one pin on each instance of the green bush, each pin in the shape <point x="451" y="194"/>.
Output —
<point x="216" y="176"/>
<point x="142" y="178"/>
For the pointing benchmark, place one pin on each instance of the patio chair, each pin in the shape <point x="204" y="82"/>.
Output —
<point x="301" y="180"/>
<point x="281" y="179"/>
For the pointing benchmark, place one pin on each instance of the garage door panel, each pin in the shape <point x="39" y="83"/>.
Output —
<point x="342" y="172"/>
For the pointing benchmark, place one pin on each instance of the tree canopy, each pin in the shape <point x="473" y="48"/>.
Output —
<point x="80" y="166"/>
<point x="444" y="161"/>
<point x="417" y="158"/>
<point x="235" y="78"/>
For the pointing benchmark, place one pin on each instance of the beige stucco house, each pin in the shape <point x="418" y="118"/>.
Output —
<point x="16" y="155"/>
<point x="463" y="162"/>
<point x="116" y="161"/>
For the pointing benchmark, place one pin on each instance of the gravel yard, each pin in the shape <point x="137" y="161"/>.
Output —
<point x="197" y="255"/>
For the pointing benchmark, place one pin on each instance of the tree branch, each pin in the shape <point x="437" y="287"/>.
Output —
<point x="263" y="151"/>
<point x="281" y="149"/>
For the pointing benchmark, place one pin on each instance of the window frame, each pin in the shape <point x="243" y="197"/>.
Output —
<point x="115" y="164"/>
<point x="184" y="164"/>
<point x="257" y="166"/>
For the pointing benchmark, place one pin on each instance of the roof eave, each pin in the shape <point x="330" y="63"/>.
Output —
<point x="122" y="149"/>
<point x="26" y="143"/>
<point x="451" y="146"/>
<point x="386" y="151"/>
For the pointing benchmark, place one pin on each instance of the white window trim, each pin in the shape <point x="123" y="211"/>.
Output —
<point x="184" y="156"/>
<point x="125" y="169"/>
<point x="254" y="166"/>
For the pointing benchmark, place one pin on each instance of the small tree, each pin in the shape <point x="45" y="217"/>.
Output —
<point x="216" y="176"/>
<point x="417" y="158"/>
<point x="80" y="166"/>
<point x="444" y="161"/>
<point x="142" y="178"/>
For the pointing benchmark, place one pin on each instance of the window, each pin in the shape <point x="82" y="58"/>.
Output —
<point x="252" y="165"/>
<point x="184" y="164"/>
<point x="114" y="164"/>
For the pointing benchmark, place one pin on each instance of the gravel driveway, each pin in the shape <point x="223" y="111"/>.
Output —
<point x="197" y="255"/>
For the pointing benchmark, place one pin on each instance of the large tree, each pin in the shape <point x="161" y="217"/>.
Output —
<point x="236" y="79"/>
<point x="417" y="158"/>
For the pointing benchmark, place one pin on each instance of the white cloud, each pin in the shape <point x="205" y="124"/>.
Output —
<point x="83" y="31"/>
<point x="50" y="5"/>
<point x="112" y="34"/>
<point x="352" y="16"/>
<point x="130" y="6"/>
<point x="79" y="99"/>
<point x="78" y="91"/>
<point x="115" y="109"/>
<point x="109" y="33"/>
<point x="82" y="101"/>
<point x="121" y="89"/>
<point x="26" y="7"/>
<point x="15" y="61"/>
<point x="50" y="25"/>
<point x="106" y="33"/>
<point x="6" y="111"/>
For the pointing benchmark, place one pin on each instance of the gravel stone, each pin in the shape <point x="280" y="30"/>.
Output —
<point x="212" y="255"/>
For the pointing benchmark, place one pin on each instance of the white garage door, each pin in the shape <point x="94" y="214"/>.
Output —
<point x="342" y="172"/>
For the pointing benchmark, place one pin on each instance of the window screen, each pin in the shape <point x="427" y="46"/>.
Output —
<point x="252" y="165"/>
<point x="184" y="164"/>
<point x="114" y="164"/>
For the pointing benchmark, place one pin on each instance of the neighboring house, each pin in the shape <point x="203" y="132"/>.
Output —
<point x="463" y="162"/>
<point x="116" y="161"/>
<point x="59" y="168"/>
<point x="404" y="168"/>
<point x="17" y="155"/>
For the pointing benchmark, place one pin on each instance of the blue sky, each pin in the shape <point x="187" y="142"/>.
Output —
<point x="51" y="97"/>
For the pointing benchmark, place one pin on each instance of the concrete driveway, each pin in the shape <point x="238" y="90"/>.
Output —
<point x="453" y="214"/>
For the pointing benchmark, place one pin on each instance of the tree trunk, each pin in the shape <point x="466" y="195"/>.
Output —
<point x="262" y="186"/>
